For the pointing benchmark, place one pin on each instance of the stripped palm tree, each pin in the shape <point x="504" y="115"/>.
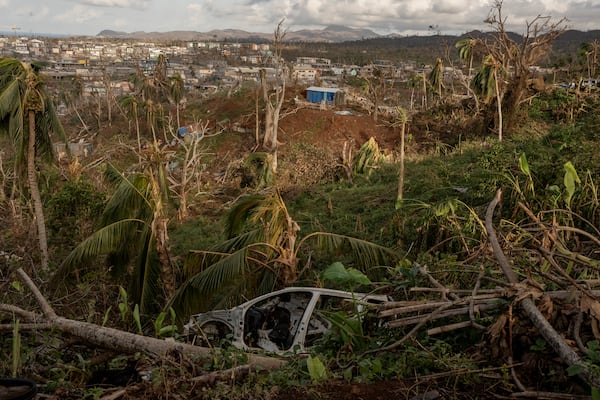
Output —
<point x="28" y="117"/>
<point x="176" y="92"/>
<point x="436" y="77"/>
<point x="466" y="52"/>
<point x="259" y="260"/>
<point x="488" y="84"/>
<point x="131" y="105"/>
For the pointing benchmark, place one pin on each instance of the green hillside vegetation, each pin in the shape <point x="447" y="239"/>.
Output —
<point x="152" y="227"/>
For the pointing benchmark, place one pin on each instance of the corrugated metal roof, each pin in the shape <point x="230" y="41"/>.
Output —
<point x="323" y="89"/>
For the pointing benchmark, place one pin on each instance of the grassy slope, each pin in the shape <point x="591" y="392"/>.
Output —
<point x="469" y="173"/>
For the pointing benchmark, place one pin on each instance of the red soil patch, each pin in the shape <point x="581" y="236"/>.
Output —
<point x="328" y="129"/>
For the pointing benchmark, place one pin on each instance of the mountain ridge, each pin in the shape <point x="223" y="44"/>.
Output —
<point x="331" y="34"/>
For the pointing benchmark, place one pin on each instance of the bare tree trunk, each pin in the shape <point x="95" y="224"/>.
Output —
<point x="272" y="110"/>
<point x="403" y="121"/>
<point x="257" y="128"/>
<point x="36" y="198"/>
<point x="162" y="250"/>
<point x="511" y="101"/>
<point x="499" y="101"/>
<point x="137" y="133"/>
<point x="109" y="97"/>
<point x="116" y="340"/>
<point x="83" y="124"/>
<point x="424" y="100"/>
<point x="159" y="228"/>
<point x="401" y="179"/>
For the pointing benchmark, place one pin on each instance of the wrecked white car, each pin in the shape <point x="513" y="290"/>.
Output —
<point x="290" y="319"/>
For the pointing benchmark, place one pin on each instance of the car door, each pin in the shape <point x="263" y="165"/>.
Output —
<point x="273" y="323"/>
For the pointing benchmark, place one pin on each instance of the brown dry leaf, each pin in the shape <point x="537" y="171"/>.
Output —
<point x="523" y="290"/>
<point x="591" y="306"/>
<point x="497" y="328"/>
<point x="498" y="340"/>
<point x="546" y="306"/>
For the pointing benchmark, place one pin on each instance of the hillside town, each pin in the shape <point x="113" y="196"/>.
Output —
<point x="203" y="65"/>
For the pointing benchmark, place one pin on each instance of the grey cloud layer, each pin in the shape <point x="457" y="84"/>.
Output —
<point x="382" y="16"/>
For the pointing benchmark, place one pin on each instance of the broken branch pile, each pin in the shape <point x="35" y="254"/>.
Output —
<point x="551" y="277"/>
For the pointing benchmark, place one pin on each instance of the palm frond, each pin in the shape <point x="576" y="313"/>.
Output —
<point x="104" y="241"/>
<point x="225" y="270"/>
<point x="366" y="254"/>
<point x="145" y="283"/>
<point x="197" y="292"/>
<point x="112" y="175"/>
<point x="10" y="97"/>
<point x="198" y="260"/>
<point x="128" y="201"/>
<point x="44" y="124"/>
<point x="240" y="241"/>
<point x="240" y="214"/>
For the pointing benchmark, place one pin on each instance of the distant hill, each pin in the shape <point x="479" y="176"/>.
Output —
<point x="330" y="34"/>
<point x="567" y="43"/>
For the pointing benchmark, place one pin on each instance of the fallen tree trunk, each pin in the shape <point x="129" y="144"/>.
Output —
<point x="121" y="341"/>
<point x="564" y="351"/>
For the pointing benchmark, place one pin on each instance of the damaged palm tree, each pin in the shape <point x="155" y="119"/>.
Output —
<point x="28" y="117"/>
<point x="264" y="252"/>
<point x="134" y="232"/>
<point x="367" y="157"/>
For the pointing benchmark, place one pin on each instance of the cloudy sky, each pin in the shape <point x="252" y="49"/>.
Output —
<point x="88" y="17"/>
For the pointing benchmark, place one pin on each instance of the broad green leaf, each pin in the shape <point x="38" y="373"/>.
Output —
<point x="17" y="286"/>
<point x="337" y="273"/>
<point x="158" y="322"/>
<point x="570" y="179"/>
<point x="316" y="369"/>
<point x="136" y="318"/>
<point x="123" y="294"/>
<point x="168" y="330"/>
<point x="106" y="315"/>
<point x="524" y="165"/>
<point x="358" y="277"/>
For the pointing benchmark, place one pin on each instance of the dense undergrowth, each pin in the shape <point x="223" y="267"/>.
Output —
<point x="550" y="166"/>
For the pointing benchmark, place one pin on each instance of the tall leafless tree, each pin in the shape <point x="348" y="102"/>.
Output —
<point x="274" y="96"/>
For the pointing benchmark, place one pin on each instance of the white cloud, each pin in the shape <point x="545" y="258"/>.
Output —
<point x="385" y="16"/>
<point x="79" y="14"/>
<point x="382" y="16"/>
<point x="450" y="6"/>
<point x="137" y="4"/>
